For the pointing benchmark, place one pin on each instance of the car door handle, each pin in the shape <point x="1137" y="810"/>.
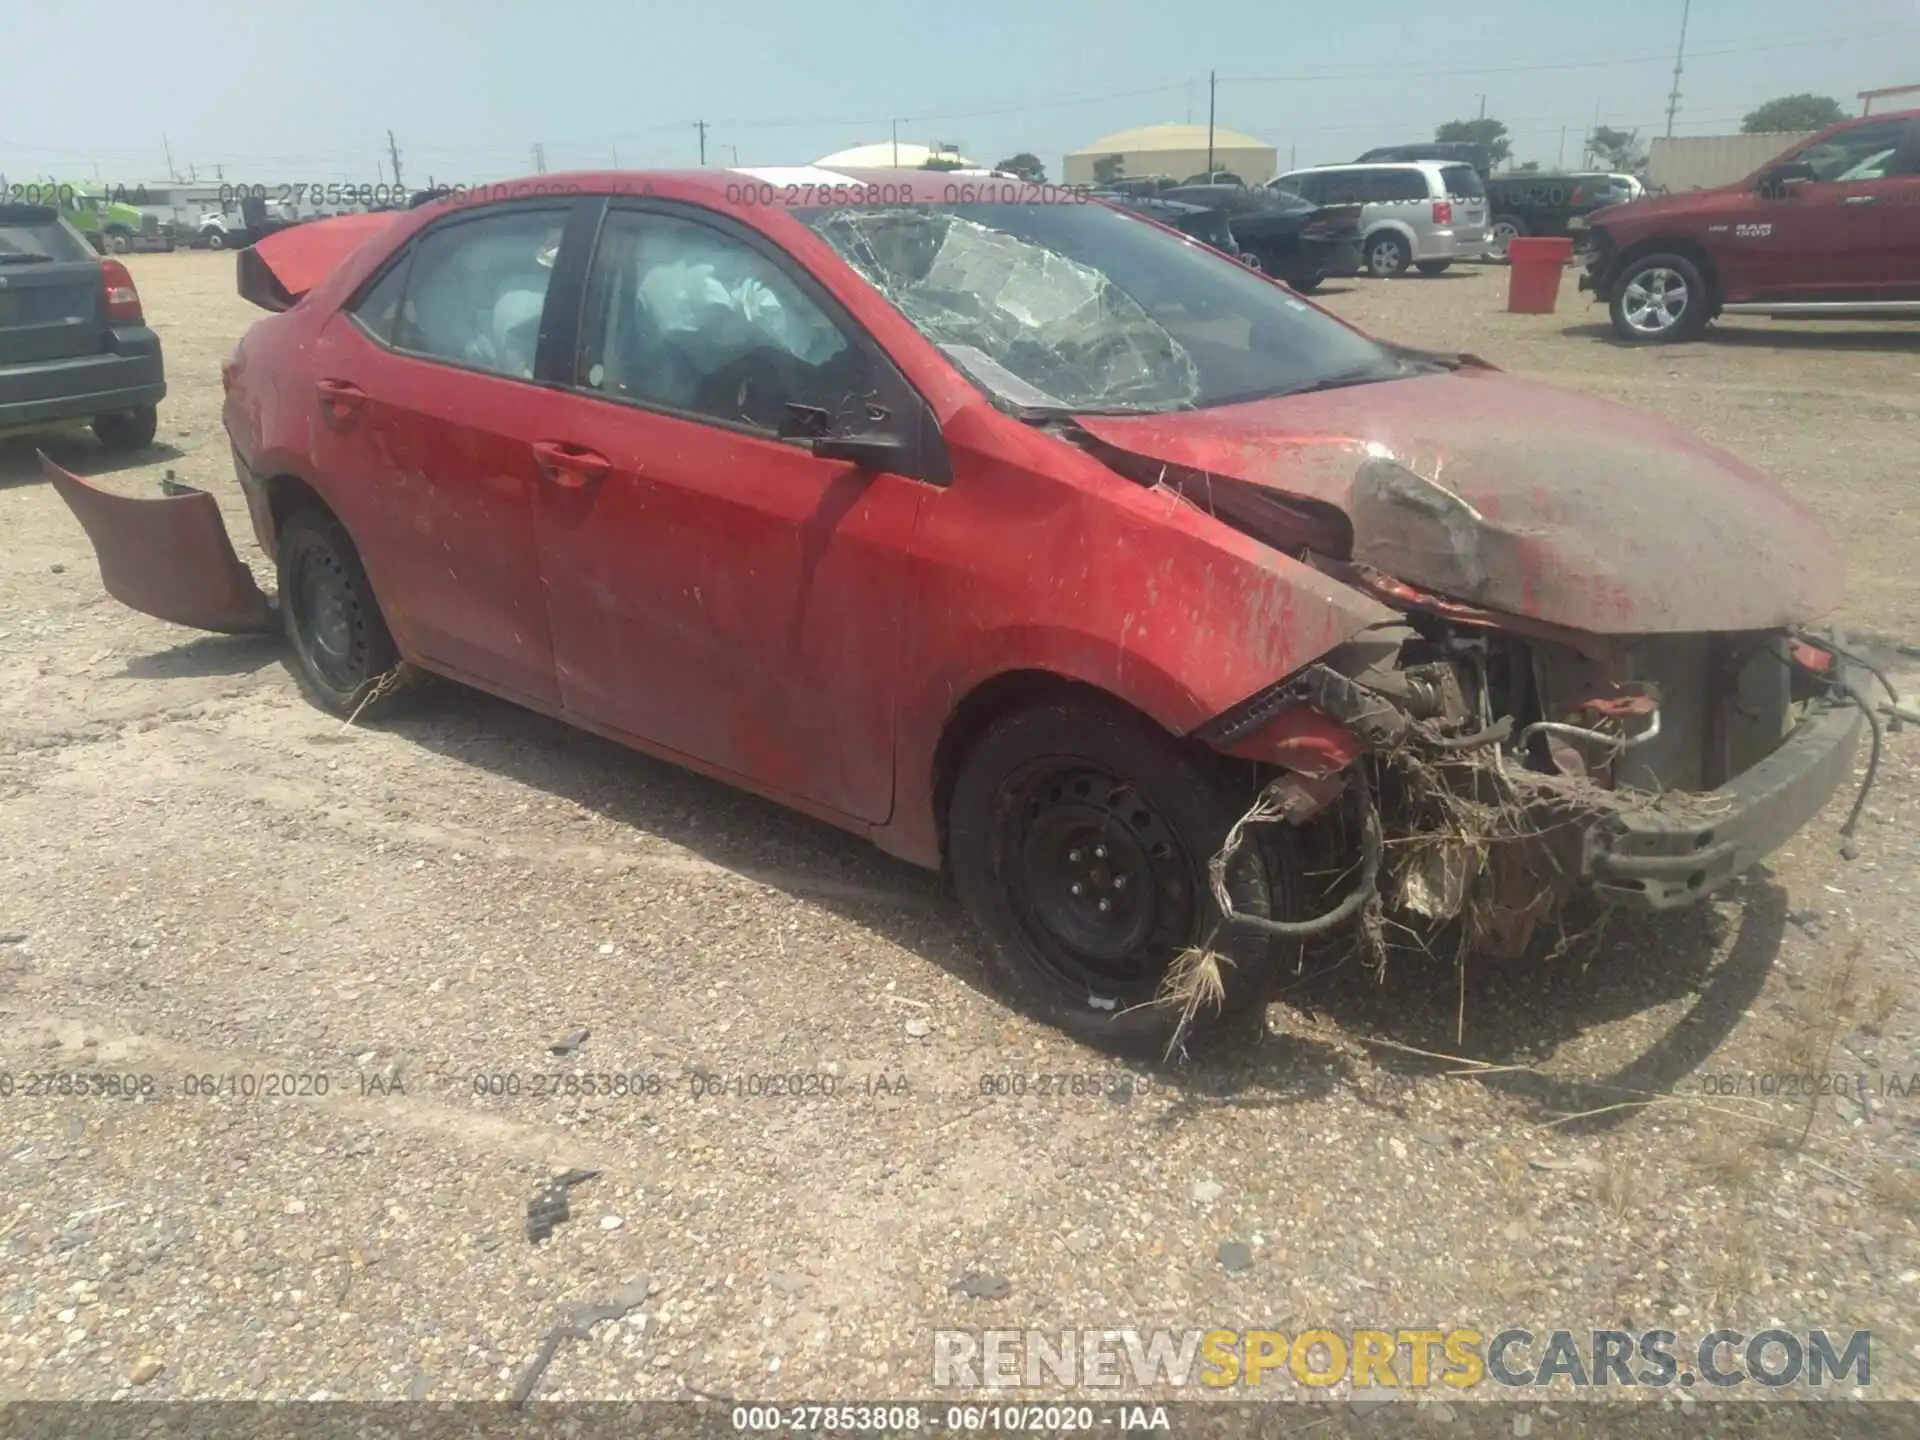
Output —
<point x="569" y="465"/>
<point x="340" y="397"/>
<point x="1863" y="199"/>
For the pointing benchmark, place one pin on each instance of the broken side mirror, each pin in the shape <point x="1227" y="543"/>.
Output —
<point x="869" y="451"/>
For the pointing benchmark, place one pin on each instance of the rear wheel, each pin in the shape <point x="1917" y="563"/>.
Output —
<point x="1658" y="299"/>
<point x="1505" y="230"/>
<point x="341" y="646"/>
<point x="1079" y="834"/>
<point x="216" y="239"/>
<point x="119" y="241"/>
<point x="128" y="429"/>
<point x="1306" y="284"/>
<point x="1388" y="255"/>
<point x="1435" y="267"/>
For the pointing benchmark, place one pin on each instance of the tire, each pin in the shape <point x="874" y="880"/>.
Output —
<point x="1430" y="268"/>
<point x="1306" y="284"/>
<point x="119" y="242"/>
<point x="1502" y="233"/>
<point x="1659" y="299"/>
<point x="127" y="429"/>
<point x="216" y="239"/>
<point x="1388" y="254"/>
<point x="1036" y="800"/>
<point x="340" y="642"/>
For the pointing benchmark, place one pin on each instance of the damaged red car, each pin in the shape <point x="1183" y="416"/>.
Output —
<point x="1174" y="616"/>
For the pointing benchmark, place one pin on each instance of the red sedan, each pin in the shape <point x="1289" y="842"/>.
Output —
<point x="1031" y="539"/>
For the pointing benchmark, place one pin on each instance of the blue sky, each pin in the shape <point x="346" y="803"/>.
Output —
<point x="274" y="91"/>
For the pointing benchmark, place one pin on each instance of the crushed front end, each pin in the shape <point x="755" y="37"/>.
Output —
<point x="1453" y="769"/>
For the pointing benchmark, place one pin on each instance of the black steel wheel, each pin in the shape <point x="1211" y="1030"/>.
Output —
<point x="1079" y="835"/>
<point x="341" y="646"/>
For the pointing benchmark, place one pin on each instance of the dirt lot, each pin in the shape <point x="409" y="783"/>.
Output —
<point x="206" y="877"/>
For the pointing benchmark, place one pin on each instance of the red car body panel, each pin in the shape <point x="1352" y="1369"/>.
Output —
<point x="1578" y="513"/>
<point x="787" y="623"/>
<point x="1856" y="240"/>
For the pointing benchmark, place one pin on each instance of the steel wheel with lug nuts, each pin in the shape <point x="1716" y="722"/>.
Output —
<point x="1659" y="298"/>
<point x="341" y="647"/>
<point x="1388" y="255"/>
<point x="1079" y="834"/>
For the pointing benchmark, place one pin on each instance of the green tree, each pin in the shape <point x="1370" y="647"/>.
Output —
<point x="1793" y="112"/>
<point x="1026" y="165"/>
<point x="1109" y="168"/>
<point x="1615" y="149"/>
<point x="1491" y="134"/>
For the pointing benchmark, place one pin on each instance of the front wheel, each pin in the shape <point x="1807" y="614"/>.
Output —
<point x="1388" y="255"/>
<point x="341" y="647"/>
<point x="1079" y="835"/>
<point x="1658" y="299"/>
<point x="1306" y="284"/>
<point x="216" y="239"/>
<point x="119" y="242"/>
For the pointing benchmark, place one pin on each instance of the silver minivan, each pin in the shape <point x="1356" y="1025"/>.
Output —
<point x="1419" y="214"/>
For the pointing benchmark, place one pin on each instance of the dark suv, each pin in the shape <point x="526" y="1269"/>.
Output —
<point x="74" y="346"/>
<point x="1829" y="229"/>
<point x="1542" y="204"/>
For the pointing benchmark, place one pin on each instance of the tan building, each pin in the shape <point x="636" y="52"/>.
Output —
<point x="1700" y="162"/>
<point x="1176" y="150"/>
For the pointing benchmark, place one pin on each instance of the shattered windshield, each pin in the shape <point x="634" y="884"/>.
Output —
<point x="1078" y="307"/>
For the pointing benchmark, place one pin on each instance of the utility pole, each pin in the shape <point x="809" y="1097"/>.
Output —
<point x="1561" y="163"/>
<point x="616" y="157"/>
<point x="1211" y="85"/>
<point x="734" y="150"/>
<point x="394" y="151"/>
<point x="539" y="159"/>
<point x="896" y="144"/>
<point x="219" y="172"/>
<point x="1483" y="107"/>
<point x="701" y="126"/>
<point x="1679" y="59"/>
<point x="167" y="149"/>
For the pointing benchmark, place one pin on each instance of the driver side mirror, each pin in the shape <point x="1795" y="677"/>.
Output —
<point x="1783" y="179"/>
<point x="868" y="451"/>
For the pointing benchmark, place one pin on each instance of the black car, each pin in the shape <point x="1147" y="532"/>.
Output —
<point x="74" y="345"/>
<point x="1464" y="152"/>
<point x="1539" y="204"/>
<point x="1204" y="223"/>
<point x="1291" y="239"/>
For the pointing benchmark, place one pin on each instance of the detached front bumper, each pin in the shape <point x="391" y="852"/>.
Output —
<point x="1661" y="859"/>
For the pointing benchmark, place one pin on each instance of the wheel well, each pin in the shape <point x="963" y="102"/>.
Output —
<point x="1688" y="249"/>
<point x="982" y="708"/>
<point x="287" y="494"/>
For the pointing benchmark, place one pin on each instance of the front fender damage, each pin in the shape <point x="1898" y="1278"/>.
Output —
<point x="167" y="555"/>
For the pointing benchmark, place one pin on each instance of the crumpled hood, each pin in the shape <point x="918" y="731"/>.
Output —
<point x="1522" y="498"/>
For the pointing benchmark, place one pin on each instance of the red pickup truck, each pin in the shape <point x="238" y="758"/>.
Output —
<point x="1829" y="229"/>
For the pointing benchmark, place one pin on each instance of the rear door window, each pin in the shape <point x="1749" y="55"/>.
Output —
<point x="475" y="291"/>
<point x="1394" y="186"/>
<point x="1463" y="182"/>
<point x="1342" y="187"/>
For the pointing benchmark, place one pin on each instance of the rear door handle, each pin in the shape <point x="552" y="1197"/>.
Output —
<point x="340" y="397"/>
<point x="566" y="464"/>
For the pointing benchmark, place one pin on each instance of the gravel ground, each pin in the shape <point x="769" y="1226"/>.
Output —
<point x="206" y="877"/>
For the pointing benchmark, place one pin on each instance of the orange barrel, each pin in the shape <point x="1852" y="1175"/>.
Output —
<point x="1536" y="262"/>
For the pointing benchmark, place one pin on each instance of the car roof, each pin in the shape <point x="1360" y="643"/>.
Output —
<point x="795" y="187"/>
<point x="1382" y="165"/>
